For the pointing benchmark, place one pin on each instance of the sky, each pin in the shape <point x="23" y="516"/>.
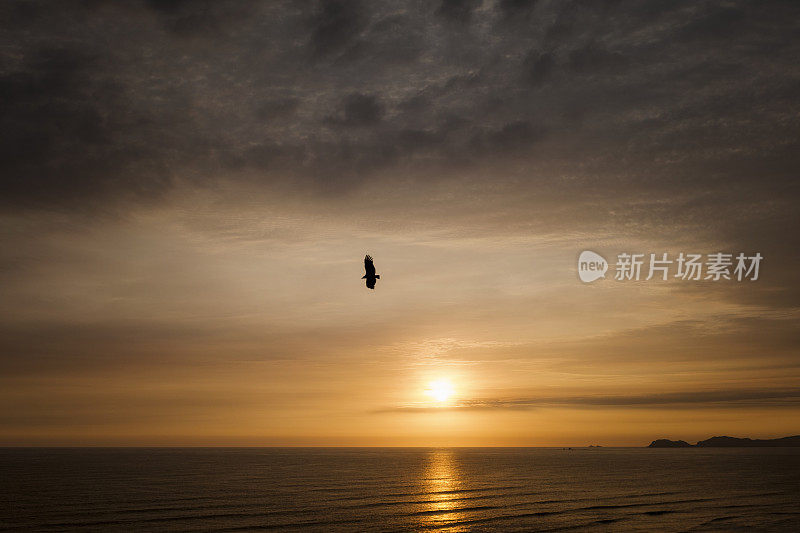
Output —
<point x="189" y="189"/>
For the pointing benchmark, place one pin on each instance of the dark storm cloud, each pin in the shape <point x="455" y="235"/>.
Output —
<point x="539" y="66"/>
<point x="360" y="110"/>
<point x="199" y="17"/>
<point x="516" y="7"/>
<point x="336" y="25"/>
<point x="457" y="10"/>
<point x="56" y="137"/>
<point x="277" y="109"/>
<point x="104" y="100"/>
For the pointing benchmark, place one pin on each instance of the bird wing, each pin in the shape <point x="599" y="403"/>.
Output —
<point x="369" y="266"/>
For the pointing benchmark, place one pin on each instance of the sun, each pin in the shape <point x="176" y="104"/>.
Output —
<point x="440" y="390"/>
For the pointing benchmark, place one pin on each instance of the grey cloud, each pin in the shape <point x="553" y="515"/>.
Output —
<point x="457" y="10"/>
<point x="515" y="7"/>
<point x="336" y="26"/>
<point x="514" y="136"/>
<point x="719" y="22"/>
<point x="278" y="108"/>
<point x="539" y="65"/>
<point x="360" y="110"/>
<point x="594" y="58"/>
<point x="120" y="122"/>
<point x="199" y="17"/>
<point x="56" y="140"/>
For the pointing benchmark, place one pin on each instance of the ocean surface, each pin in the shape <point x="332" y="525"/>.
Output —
<point x="386" y="489"/>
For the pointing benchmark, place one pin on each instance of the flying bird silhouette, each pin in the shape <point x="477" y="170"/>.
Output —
<point x="370" y="276"/>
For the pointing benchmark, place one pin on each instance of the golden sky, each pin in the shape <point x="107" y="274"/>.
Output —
<point x="185" y="216"/>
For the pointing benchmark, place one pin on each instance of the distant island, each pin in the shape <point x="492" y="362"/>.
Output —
<point x="729" y="442"/>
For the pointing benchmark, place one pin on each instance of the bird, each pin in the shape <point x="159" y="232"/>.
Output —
<point x="370" y="276"/>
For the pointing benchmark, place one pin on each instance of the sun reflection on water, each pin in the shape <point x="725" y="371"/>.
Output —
<point x="441" y="484"/>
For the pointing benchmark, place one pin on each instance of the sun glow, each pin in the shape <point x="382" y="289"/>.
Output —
<point x="440" y="390"/>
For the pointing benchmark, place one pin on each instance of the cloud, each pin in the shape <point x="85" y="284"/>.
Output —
<point x="540" y="66"/>
<point x="516" y="7"/>
<point x="457" y="10"/>
<point x="335" y="26"/>
<point x="674" y="400"/>
<point x="360" y="110"/>
<point x="59" y="128"/>
<point x="305" y="93"/>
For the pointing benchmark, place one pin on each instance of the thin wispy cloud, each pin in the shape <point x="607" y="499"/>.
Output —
<point x="679" y="400"/>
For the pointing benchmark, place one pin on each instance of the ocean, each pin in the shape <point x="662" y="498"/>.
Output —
<point x="399" y="489"/>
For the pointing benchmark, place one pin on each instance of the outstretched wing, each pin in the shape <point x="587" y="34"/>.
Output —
<point x="369" y="267"/>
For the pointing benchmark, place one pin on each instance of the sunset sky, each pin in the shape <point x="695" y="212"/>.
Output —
<point x="189" y="190"/>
